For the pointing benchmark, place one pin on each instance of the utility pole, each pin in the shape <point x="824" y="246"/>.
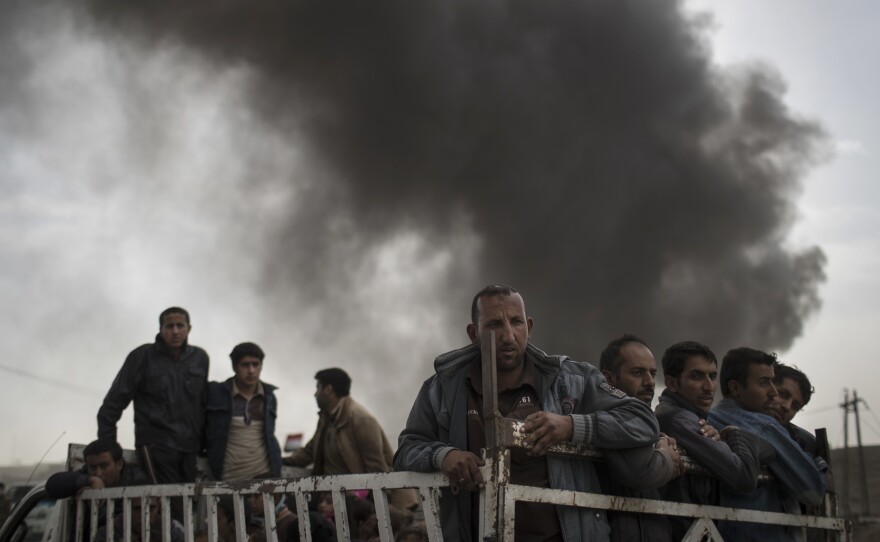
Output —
<point x="862" y="472"/>
<point x="866" y="509"/>
<point x="845" y="406"/>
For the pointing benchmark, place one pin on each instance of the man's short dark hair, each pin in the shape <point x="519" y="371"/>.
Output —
<point x="735" y="365"/>
<point x="491" y="290"/>
<point x="337" y="379"/>
<point x="173" y="310"/>
<point x="676" y="356"/>
<point x="783" y="371"/>
<point x="610" y="359"/>
<point x="245" y="349"/>
<point x="104" y="445"/>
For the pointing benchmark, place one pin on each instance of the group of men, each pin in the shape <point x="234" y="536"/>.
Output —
<point x="565" y="401"/>
<point x="178" y="414"/>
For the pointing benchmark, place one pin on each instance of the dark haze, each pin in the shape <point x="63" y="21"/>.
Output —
<point x="611" y="173"/>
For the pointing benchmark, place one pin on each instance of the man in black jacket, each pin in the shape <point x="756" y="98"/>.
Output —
<point x="168" y="382"/>
<point x="691" y="375"/>
<point x="104" y="467"/>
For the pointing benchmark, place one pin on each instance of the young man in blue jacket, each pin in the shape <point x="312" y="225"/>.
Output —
<point x="240" y="418"/>
<point x="749" y="398"/>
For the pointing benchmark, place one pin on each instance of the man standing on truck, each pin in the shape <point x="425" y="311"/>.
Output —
<point x="168" y="382"/>
<point x="560" y="400"/>
<point x="241" y="412"/>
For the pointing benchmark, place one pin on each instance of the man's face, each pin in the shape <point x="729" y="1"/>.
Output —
<point x="104" y="467"/>
<point x="789" y="400"/>
<point x="174" y="329"/>
<point x="247" y="371"/>
<point x="505" y="316"/>
<point x="636" y="373"/>
<point x="323" y="397"/>
<point x="758" y="394"/>
<point x="697" y="382"/>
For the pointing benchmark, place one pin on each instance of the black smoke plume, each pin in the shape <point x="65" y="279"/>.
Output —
<point x="606" y="167"/>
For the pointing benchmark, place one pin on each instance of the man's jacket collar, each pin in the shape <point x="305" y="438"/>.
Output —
<point x="677" y="400"/>
<point x="452" y="362"/>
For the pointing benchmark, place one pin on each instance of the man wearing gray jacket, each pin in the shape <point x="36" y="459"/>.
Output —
<point x="560" y="400"/>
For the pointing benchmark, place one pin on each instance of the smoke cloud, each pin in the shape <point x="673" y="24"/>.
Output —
<point x="609" y="170"/>
<point x="588" y="153"/>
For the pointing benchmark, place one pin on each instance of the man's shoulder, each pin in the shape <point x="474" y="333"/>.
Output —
<point x="197" y="353"/>
<point x="133" y="475"/>
<point x="357" y="410"/>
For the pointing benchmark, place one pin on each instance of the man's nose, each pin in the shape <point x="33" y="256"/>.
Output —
<point x="649" y="380"/>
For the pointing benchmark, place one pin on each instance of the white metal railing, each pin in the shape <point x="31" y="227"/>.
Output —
<point x="497" y="505"/>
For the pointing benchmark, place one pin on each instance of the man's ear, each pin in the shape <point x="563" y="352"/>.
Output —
<point x="531" y="323"/>
<point x="609" y="376"/>
<point x="671" y="383"/>
<point x="472" y="333"/>
<point x="734" y="388"/>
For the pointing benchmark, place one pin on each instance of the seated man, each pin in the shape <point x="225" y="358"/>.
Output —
<point x="105" y="467"/>
<point x="240" y="420"/>
<point x="794" y="391"/>
<point x="749" y="396"/>
<point x="691" y="371"/>
<point x="628" y="364"/>
<point x="559" y="400"/>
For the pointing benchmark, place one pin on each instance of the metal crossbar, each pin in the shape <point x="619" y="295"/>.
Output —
<point x="497" y="489"/>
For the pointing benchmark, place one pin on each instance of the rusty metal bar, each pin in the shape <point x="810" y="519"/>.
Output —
<point x="491" y="416"/>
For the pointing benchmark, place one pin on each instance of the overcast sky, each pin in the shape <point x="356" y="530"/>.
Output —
<point x="99" y="233"/>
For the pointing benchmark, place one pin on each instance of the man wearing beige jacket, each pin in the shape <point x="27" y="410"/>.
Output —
<point x="348" y="439"/>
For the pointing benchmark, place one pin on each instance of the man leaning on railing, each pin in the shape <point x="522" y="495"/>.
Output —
<point x="559" y="399"/>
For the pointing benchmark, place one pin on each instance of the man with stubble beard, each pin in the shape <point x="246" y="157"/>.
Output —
<point x="749" y="397"/>
<point x="733" y="458"/>
<point x="560" y="400"/>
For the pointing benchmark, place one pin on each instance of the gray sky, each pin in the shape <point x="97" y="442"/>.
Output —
<point x="99" y="232"/>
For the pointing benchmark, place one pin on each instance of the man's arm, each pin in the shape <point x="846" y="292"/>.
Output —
<point x="305" y="456"/>
<point x="794" y="469"/>
<point x="645" y="467"/>
<point x="801" y="476"/>
<point x="419" y="448"/>
<point x="608" y="419"/>
<point x="120" y="395"/>
<point x="66" y="484"/>
<point x="735" y="462"/>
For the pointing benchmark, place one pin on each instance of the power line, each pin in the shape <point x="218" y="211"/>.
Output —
<point x="68" y="386"/>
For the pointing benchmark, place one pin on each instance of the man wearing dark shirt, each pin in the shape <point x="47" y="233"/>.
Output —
<point x="168" y="381"/>
<point x="691" y="376"/>
<point x="104" y="468"/>
<point x="628" y="364"/>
